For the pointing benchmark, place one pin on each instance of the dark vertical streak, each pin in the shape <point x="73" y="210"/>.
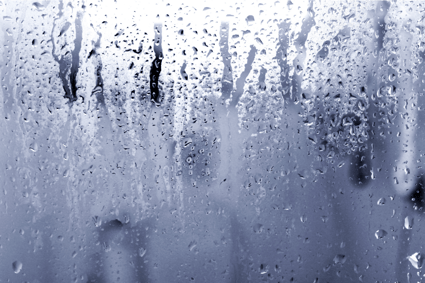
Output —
<point x="227" y="79"/>
<point x="63" y="64"/>
<point x="156" y="64"/>
<point x="361" y="162"/>
<point x="69" y="84"/>
<point x="76" y="58"/>
<point x="98" y="90"/>
<point x="241" y="80"/>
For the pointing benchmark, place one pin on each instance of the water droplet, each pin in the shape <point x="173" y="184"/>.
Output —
<point x="17" y="266"/>
<point x="380" y="234"/>
<point x="290" y="4"/>
<point x="264" y="268"/>
<point x="408" y="222"/>
<point x="286" y="206"/>
<point x="381" y="201"/>
<point x="303" y="218"/>
<point x="340" y="259"/>
<point x="326" y="268"/>
<point x="34" y="147"/>
<point x="187" y="142"/>
<point x="416" y="260"/>
<point x="250" y="19"/>
<point x="192" y="245"/>
<point x="142" y="252"/>
<point x="106" y="247"/>
<point x="97" y="221"/>
<point x="38" y="6"/>
<point x="258" y="228"/>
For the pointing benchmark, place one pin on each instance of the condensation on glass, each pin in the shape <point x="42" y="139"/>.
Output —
<point x="211" y="141"/>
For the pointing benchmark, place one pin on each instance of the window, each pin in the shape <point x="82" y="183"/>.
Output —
<point x="211" y="141"/>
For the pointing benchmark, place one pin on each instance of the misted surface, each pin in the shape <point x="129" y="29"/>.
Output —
<point x="212" y="141"/>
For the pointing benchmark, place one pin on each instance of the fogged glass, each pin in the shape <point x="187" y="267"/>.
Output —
<point x="211" y="141"/>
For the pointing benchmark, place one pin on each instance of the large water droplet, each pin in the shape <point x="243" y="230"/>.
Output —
<point x="408" y="222"/>
<point x="381" y="201"/>
<point x="17" y="266"/>
<point x="416" y="260"/>
<point x="380" y="234"/>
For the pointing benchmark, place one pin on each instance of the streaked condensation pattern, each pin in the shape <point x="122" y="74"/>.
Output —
<point x="212" y="141"/>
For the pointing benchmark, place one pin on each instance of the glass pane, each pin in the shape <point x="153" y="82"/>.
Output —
<point x="211" y="141"/>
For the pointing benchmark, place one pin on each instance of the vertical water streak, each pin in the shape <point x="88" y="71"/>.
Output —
<point x="75" y="58"/>
<point x="98" y="89"/>
<point x="298" y="63"/>
<point x="156" y="64"/>
<point x="65" y="70"/>
<point x="282" y="57"/>
<point x="227" y="78"/>
<point x="240" y="82"/>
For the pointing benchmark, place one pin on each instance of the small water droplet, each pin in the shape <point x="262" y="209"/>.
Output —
<point x="264" y="268"/>
<point x="34" y="147"/>
<point x="38" y="6"/>
<point x="286" y="206"/>
<point x="258" y="228"/>
<point x="381" y="201"/>
<point x="192" y="245"/>
<point x="97" y="221"/>
<point x="380" y="234"/>
<point x="290" y="4"/>
<point x="340" y="259"/>
<point x="187" y="142"/>
<point x="17" y="266"/>
<point x="250" y="19"/>
<point x="142" y="252"/>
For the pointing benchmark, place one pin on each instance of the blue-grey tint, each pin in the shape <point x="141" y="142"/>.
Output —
<point x="212" y="141"/>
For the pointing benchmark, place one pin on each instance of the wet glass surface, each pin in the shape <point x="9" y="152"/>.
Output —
<point x="211" y="141"/>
